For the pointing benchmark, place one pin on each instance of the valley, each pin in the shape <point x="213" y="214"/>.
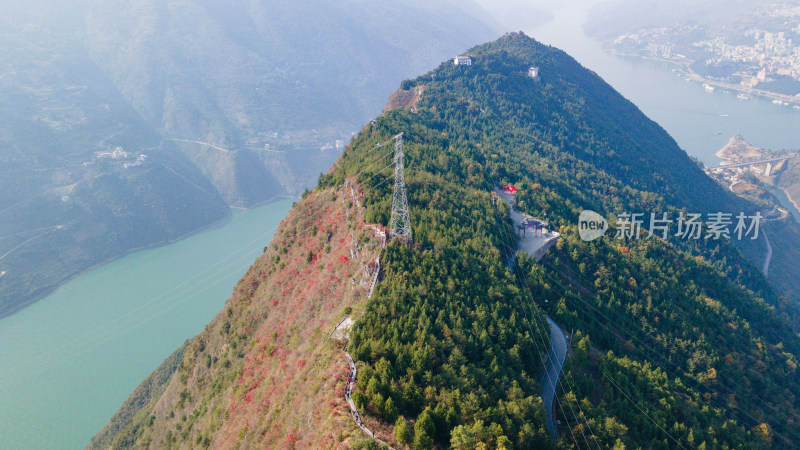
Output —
<point x="157" y="157"/>
<point x="132" y="133"/>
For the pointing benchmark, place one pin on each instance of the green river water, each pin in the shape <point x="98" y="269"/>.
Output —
<point x="68" y="361"/>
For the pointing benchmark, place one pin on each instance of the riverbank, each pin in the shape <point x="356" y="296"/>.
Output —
<point x="89" y="344"/>
<point x="738" y="152"/>
<point x="736" y="149"/>
<point x="49" y="290"/>
<point x="273" y="199"/>
<point x="684" y="68"/>
<point x="792" y="201"/>
<point x="209" y="227"/>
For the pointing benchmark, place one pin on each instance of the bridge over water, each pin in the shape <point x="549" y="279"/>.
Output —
<point x="753" y="163"/>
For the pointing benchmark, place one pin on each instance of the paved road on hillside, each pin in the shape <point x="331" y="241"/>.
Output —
<point x="536" y="246"/>
<point x="533" y="243"/>
<point x="765" y="269"/>
<point x="555" y="362"/>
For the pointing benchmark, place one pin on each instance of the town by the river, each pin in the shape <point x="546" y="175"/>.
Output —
<point x="69" y="361"/>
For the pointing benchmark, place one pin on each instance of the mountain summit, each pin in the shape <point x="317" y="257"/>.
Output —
<point x="672" y="342"/>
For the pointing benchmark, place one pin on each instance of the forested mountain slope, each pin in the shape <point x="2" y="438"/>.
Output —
<point x="132" y="123"/>
<point x="242" y="74"/>
<point x="674" y="343"/>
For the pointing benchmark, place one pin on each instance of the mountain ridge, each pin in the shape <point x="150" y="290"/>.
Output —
<point x="674" y="342"/>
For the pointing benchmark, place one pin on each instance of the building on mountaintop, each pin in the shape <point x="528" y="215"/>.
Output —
<point x="462" y="60"/>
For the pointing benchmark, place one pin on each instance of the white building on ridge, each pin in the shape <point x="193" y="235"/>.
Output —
<point x="463" y="60"/>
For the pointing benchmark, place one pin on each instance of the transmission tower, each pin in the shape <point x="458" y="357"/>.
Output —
<point x="400" y="224"/>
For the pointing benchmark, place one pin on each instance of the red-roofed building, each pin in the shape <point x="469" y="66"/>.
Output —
<point x="510" y="189"/>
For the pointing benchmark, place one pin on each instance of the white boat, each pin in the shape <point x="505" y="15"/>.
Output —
<point x="777" y="102"/>
<point x="796" y="107"/>
<point x="708" y="87"/>
<point x="743" y="97"/>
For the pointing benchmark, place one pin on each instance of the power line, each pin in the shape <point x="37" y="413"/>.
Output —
<point x="398" y="148"/>
<point x="504" y="236"/>
<point x="632" y="334"/>
<point x="615" y="385"/>
<point x="566" y="378"/>
<point x="534" y="334"/>
<point x="642" y="410"/>
<point x="540" y="334"/>
<point x="778" y="412"/>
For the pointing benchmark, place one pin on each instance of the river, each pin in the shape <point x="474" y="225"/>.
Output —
<point x="701" y="122"/>
<point x="68" y="361"/>
<point x="784" y="201"/>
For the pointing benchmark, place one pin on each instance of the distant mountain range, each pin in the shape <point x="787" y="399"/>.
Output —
<point x="132" y="123"/>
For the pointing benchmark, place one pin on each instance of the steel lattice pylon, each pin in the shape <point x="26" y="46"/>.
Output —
<point x="400" y="224"/>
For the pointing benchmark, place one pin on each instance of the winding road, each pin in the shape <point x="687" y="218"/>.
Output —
<point x="765" y="269"/>
<point x="537" y="247"/>
<point x="207" y="144"/>
<point x="552" y="371"/>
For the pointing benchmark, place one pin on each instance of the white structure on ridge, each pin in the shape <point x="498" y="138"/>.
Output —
<point x="463" y="60"/>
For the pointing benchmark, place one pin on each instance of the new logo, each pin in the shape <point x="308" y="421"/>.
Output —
<point x="591" y="225"/>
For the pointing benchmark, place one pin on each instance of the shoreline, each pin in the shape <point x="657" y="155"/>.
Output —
<point x="729" y="155"/>
<point x="738" y="149"/>
<point x="725" y="152"/>
<point x="44" y="292"/>
<point x="791" y="200"/>
<point x="683" y="68"/>
<point x="272" y="199"/>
